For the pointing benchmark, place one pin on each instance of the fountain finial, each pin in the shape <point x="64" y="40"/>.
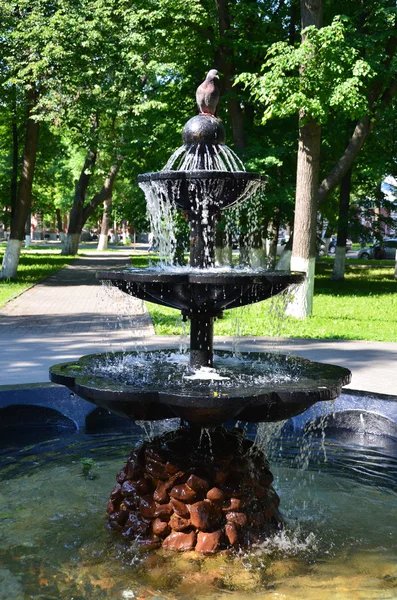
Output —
<point x="207" y="94"/>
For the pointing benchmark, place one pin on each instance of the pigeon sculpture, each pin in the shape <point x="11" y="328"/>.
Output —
<point x="207" y="94"/>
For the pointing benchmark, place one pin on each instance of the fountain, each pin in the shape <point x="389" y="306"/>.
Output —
<point x="202" y="487"/>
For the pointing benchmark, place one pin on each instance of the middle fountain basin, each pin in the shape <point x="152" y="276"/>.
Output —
<point x="155" y="385"/>
<point x="195" y="290"/>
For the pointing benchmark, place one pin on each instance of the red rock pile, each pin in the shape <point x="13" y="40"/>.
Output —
<point x="190" y="490"/>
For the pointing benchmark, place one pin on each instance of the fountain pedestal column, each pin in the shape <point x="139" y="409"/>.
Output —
<point x="201" y="341"/>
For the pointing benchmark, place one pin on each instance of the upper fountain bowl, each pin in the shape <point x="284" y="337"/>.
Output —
<point x="193" y="190"/>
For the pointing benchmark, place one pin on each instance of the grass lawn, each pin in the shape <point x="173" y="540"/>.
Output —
<point x="363" y="307"/>
<point x="33" y="266"/>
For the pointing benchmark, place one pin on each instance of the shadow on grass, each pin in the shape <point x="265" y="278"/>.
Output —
<point x="357" y="282"/>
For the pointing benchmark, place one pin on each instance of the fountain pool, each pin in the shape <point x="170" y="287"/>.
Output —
<point x="338" y="496"/>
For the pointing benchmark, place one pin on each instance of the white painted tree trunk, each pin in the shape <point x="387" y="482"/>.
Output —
<point x="223" y="256"/>
<point x="301" y="304"/>
<point x="11" y="259"/>
<point x="338" y="272"/>
<point x="27" y="241"/>
<point x="257" y="258"/>
<point x="71" y="243"/>
<point x="102" y="242"/>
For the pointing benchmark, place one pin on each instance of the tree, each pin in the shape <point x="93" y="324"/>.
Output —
<point x="349" y="71"/>
<point x="23" y="197"/>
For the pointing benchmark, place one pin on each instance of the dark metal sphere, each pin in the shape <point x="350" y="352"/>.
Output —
<point x="203" y="129"/>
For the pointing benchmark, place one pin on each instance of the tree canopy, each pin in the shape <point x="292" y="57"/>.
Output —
<point x="111" y="83"/>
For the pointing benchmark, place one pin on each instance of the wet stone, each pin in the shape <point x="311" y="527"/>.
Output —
<point x="199" y="485"/>
<point x="147" y="507"/>
<point x="137" y="525"/>
<point x="121" y="476"/>
<point x="178" y="478"/>
<point x="115" y="494"/>
<point x="215" y="495"/>
<point x="184" y="493"/>
<point x="153" y="454"/>
<point x="205" y="515"/>
<point x="122" y="516"/>
<point x="128" y="489"/>
<point x="160" y="494"/>
<point x="233" y="504"/>
<point x="180" y="541"/>
<point x="133" y="470"/>
<point x="238" y="518"/>
<point x="209" y="543"/>
<point x="163" y="511"/>
<point x="179" y="524"/>
<point x="231" y="533"/>
<point x="180" y="508"/>
<point x="144" y="486"/>
<point x="160" y="528"/>
<point x="131" y="502"/>
<point x="156" y="470"/>
<point x="171" y="468"/>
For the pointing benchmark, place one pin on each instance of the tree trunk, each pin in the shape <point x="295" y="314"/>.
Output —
<point x="80" y="213"/>
<point x="105" y="225"/>
<point x="307" y="182"/>
<point x="338" y="273"/>
<point x="76" y="219"/>
<point x="15" y="156"/>
<point x="24" y="195"/>
<point x="59" y="220"/>
<point x="223" y="248"/>
<point x="225" y="64"/>
<point x="305" y="224"/>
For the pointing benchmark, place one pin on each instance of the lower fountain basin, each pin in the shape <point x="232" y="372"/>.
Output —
<point x="157" y="385"/>
<point x="196" y="290"/>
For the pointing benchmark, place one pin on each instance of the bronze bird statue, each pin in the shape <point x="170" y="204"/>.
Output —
<point x="207" y="94"/>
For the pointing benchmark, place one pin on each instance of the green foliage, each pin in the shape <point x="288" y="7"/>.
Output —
<point x="87" y="464"/>
<point x="324" y="73"/>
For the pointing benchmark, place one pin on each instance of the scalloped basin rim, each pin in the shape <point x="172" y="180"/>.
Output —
<point x="270" y="402"/>
<point x="152" y="275"/>
<point x="199" y="174"/>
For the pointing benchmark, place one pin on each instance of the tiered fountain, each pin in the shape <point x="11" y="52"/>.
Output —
<point x="201" y="487"/>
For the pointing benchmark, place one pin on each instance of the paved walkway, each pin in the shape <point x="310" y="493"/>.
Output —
<point x="68" y="315"/>
<point x="71" y="314"/>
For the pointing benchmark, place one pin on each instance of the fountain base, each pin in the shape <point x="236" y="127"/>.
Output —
<point x="194" y="489"/>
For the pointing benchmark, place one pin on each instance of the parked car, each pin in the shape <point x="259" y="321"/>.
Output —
<point x="332" y="245"/>
<point x="385" y="249"/>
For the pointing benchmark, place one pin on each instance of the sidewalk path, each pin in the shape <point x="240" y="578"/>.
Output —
<point x="71" y="314"/>
<point x="65" y="316"/>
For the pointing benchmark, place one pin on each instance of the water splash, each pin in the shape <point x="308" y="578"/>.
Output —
<point x="202" y="157"/>
<point x="161" y="212"/>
